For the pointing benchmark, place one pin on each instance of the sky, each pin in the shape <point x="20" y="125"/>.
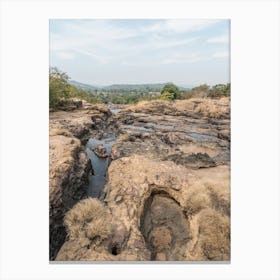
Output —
<point x="137" y="51"/>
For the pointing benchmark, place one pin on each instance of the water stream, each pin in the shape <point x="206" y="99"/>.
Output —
<point x="201" y="137"/>
<point x="99" y="165"/>
<point x="114" y="109"/>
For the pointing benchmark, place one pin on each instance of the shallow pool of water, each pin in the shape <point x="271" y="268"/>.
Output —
<point x="114" y="109"/>
<point x="99" y="165"/>
<point x="135" y="127"/>
<point x="201" y="137"/>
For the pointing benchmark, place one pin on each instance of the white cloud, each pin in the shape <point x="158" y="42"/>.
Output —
<point x="135" y="46"/>
<point x="65" y="55"/>
<point x="104" y="42"/>
<point x="220" y="54"/>
<point x="180" y="25"/>
<point x="220" y="39"/>
<point x="161" y="44"/>
<point x="180" y="59"/>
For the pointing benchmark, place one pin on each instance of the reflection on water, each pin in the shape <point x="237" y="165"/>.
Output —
<point x="99" y="165"/>
<point x="95" y="185"/>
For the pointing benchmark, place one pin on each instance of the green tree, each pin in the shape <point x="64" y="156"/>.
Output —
<point x="169" y="92"/>
<point x="59" y="88"/>
<point x="219" y="90"/>
<point x="167" y="95"/>
<point x="201" y="90"/>
<point x="187" y="94"/>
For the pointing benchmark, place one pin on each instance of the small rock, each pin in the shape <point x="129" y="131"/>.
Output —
<point x="118" y="198"/>
<point x="131" y="212"/>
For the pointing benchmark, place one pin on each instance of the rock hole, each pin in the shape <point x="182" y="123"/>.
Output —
<point x="115" y="250"/>
<point x="164" y="227"/>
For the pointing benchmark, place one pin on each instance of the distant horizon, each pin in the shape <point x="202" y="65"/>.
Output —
<point x="144" y="83"/>
<point x="186" y="52"/>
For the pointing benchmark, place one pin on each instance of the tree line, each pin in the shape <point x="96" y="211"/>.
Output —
<point x="61" y="92"/>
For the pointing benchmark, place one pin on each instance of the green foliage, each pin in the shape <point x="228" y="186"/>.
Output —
<point x="61" y="91"/>
<point x="187" y="94"/>
<point x="201" y="91"/>
<point x="204" y="91"/>
<point x="219" y="90"/>
<point x="203" y="87"/>
<point x="167" y="95"/>
<point x="169" y="92"/>
<point x="59" y="88"/>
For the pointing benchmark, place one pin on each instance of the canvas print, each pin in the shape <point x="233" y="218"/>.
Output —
<point x="139" y="140"/>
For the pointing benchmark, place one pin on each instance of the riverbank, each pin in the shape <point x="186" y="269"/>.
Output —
<point x="69" y="165"/>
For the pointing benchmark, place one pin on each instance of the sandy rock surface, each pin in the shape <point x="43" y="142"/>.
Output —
<point x="156" y="214"/>
<point x="183" y="131"/>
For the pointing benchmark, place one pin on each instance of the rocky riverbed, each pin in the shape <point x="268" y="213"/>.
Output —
<point x="167" y="190"/>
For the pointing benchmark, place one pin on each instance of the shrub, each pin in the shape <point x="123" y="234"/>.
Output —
<point x="219" y="90"/>
<point x="88" y="219"/>
<point x="59" y="88"/>
<point x="214" y="237"/>
<point x="167" y="96"/>
<point x="169" y="92"/>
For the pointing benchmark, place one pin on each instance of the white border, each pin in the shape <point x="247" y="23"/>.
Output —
<point x="255" y="138"/>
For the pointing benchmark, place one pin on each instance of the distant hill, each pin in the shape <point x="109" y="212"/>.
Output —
<point x="135" y="87"/>
<point x="83" y="86"/>
<point x="151" y="87"/>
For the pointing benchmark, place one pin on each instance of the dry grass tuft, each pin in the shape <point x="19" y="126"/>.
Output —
<point x="64" y="132"/>
<point x="88" y="219"/>
<point x="207" y="107"/>
<point x="214" y="235"/>
<point x="220" y="198"/>
<point x="154" y="106"/>
<point x="197" y="199"/>
<point x="213" y="108"/>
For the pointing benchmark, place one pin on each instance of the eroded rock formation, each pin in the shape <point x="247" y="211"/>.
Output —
<point x="156" y="213"/>
<point x="69" y="164"/>
<point x="168" y="190"/>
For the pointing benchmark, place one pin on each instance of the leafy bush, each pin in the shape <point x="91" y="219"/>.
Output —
<point x="58" y="86"/>
<point x="201" y="91"/>
<point x="167" y="95"/>
<point x="219" y="90"/>
<point x="186" y="94"/>
<point x="61" y="92"/>
<point x="169" y="92"/>
<point x="204" y="90"/>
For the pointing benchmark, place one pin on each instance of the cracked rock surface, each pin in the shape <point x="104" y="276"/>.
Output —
<point x="167" y="196"/>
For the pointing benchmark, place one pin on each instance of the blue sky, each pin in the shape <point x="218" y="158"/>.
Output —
<point x="104" y="52"/>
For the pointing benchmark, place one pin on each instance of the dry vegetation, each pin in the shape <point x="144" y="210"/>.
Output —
<point x="214" y="231"/>
<point x="57" y="131"/>
<point x="88" y="219"/>
<point x="213" y="108"/>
